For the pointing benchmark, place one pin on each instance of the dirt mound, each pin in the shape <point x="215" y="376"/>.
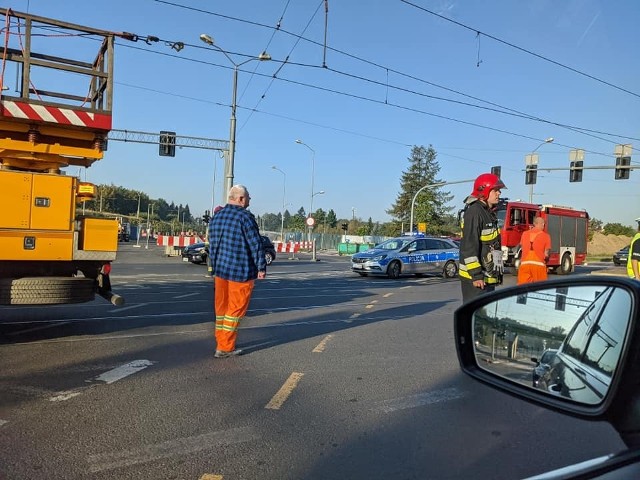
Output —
<point x="607" y="244"/>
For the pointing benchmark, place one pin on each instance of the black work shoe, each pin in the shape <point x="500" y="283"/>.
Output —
<point x="223" y="354"/>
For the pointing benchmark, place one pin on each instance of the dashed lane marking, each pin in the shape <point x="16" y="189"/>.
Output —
<point x="419" y="400"/>
<point x="179" y="447"/>
<point x="210" y="476"/>
<point x="320" y="347"/>
<point x="281" y="396"/>
<point x="3" y="422"/>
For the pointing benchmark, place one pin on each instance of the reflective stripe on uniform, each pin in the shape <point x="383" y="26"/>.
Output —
<point x="489" y="234"/>
<point x="533" y="262"/>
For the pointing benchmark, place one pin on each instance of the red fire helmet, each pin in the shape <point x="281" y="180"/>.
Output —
<point x="485" y="183"/>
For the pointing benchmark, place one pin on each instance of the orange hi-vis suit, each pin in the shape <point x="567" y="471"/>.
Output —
<point x="532" y="265"/>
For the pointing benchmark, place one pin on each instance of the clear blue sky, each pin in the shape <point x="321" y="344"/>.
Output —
<point x="396" y="76"/>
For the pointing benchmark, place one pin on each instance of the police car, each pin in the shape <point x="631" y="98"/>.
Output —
<point x="414" y="255"/>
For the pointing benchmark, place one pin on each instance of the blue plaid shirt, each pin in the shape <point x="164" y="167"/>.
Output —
<point x="235" y="246"/>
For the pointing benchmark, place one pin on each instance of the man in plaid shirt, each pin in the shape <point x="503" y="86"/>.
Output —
<point x="237" y="259"/>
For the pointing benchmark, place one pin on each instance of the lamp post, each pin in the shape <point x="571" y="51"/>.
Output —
<point x="284" y="193"/>
<point x="229" y="166"/>
<point x="182" y="232"/>
<point x="532" y="159"/>
<point x="313" y="168"/>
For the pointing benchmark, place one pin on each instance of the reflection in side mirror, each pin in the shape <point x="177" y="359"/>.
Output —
<point x="573" y="335"/>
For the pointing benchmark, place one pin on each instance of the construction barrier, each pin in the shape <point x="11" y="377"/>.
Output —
<point x="178" y="240"/>
<point x="292" y="247"/>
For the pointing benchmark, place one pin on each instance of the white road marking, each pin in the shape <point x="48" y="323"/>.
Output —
<point x="320" y="347"/>
<point x="421" y="399"/>
<point x="131" y="307"/>
<point x="63" y="396"/>
<point x="387" y="295"/>
<point x="187" y="295"/>
<point x="123" y="371"/>
<point x="108" y="378"/>
<point x="178" y="447"/>
<point x="3" y="422"/>
<point x="35" y="329"/>
<point x="281" y="395"/>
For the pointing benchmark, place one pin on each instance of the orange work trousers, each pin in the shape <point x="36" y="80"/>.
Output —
<point x="531" y="269"/>
<point x="231" y="305"/>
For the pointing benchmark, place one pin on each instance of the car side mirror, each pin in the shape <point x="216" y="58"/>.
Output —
<point x="590" y="325"/>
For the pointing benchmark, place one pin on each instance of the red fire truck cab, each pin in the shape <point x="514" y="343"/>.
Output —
<point x="568" y="228"/>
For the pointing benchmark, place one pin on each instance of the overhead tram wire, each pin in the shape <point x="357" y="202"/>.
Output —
<point x="581" y="130"/>
<point x="286" y="60"/>
<point x="537" y="55"/>
<point x="369" y="62"/>
<point x="360" y="97"/>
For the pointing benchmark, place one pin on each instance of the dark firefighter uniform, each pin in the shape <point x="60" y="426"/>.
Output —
<point x="480" y="236"/>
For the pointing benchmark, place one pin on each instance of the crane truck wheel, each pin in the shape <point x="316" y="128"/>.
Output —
<point x="46" y="290"/>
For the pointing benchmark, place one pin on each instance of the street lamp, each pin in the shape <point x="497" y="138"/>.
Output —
<point x="532" y="159"/>
<point x="313" y="167"/>
<point x="264" y="56"/>
<point x="183" y="222"/>
<point x="284" y="193"/>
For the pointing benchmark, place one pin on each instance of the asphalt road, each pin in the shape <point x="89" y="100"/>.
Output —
<point x="343" y="377"/>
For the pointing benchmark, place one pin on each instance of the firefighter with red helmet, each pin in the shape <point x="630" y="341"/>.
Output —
<point x="481" y="264"/>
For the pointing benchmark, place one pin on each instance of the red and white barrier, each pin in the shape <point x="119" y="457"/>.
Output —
<point x="177" y="240"/>
<point x="292" y="247"/>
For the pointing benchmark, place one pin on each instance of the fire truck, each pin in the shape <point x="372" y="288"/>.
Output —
<point x="567" y="227"/>
<point x="59" y="116"/>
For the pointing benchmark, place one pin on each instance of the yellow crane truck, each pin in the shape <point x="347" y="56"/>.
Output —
<point x="50" y="252"/>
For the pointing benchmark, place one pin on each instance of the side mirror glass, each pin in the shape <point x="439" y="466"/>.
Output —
<point x="565" y="341"/>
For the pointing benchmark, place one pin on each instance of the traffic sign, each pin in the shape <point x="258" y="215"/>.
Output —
<point x="310" y="221"/>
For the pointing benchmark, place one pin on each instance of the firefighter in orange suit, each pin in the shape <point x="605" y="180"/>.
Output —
<point x="481" y="264"/>
<point x="536" y="244"/>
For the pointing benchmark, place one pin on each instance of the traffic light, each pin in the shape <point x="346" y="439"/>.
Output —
<point x="575" y="172"/>
<point x="206" y="217"/>
<point x="561" y="297"/>
<point x="167" y="144"/>
<point x="621" y="172"/>
<point x="496" y="171"/>
<point x="345" y="226"/>
<point x="531" y="174"/>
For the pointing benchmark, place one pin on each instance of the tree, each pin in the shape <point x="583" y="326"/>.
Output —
<point x="287" y="219"/>
<point x="430" y="205"/>
<point x="595" y="224"/>
<point x="332" y="220"/>
<point x="618" y="229"/>
<point x="297" y="222"/>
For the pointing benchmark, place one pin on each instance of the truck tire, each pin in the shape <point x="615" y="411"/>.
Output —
<point x="46" y="290"/>
<point x="566" y="265"/>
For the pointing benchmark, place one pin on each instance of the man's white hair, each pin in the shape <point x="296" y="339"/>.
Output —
<point x="238" y="191"/>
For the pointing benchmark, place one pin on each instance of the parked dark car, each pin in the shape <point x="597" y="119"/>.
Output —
<point x="620" y="257"/>
<point x="542" y="365"/>
<point x="198" y="252"/>
<point x="595" y="325"/>
<point x="269" y="249"/>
